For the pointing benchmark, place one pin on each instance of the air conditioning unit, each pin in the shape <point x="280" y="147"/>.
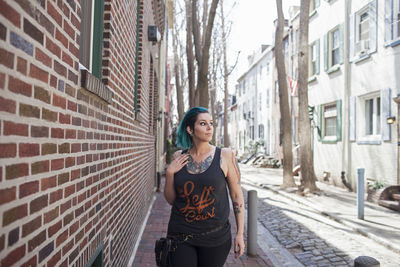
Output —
<point x="362" y="47"/>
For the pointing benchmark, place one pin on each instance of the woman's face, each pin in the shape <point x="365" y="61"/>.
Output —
<point x="203" y="127"/>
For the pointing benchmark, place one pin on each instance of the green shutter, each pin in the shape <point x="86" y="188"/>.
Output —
<point x="326" y="51"/>
<point x="317" y="48"/>
<point x="339" y="120"/>
<point x="320" y="118"/>
<point x="341" y="39"/>
<point x="385" y="113"/>
<point x="98" y="26"/>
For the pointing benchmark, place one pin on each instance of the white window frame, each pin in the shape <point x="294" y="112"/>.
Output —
<point x="313" y="51"/>
<point x="361" y="46"/>
<point x="332" y="48"/>
<point x="376" y="118"/>
<point x="329" y="114"/>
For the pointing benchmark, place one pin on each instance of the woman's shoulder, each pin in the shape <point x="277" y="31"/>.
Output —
<point x="226" y="153"/>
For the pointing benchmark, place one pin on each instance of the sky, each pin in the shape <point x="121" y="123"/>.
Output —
<point x="252" y="26"/>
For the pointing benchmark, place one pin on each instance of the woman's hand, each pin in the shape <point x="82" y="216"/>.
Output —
<point x="239" y="245"/>
<point x="177" y="163"/>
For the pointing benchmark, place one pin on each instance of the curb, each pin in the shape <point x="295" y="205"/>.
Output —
<point x="336" y="218"/>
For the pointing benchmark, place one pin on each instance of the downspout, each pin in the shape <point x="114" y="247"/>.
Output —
<point x="137" y="59"/>
<point x="346" y="154"/>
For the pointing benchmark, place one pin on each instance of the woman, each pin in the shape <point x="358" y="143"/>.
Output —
<point x="195" y="186"/>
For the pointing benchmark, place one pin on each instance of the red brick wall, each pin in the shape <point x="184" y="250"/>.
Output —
<point x="75" y="171"/>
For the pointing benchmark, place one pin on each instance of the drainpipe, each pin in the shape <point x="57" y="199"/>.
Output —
<point x="346" y="156"/>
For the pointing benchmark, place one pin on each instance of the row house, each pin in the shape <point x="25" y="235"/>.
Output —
<point x="353" y="77"/>
<point x="81" y="87"/>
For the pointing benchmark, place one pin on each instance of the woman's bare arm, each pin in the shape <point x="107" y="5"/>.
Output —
<point x="235" y="191"/>
<point x="178" y="161"/>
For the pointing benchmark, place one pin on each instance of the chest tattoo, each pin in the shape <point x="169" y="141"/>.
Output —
<point x="198" y="167"/>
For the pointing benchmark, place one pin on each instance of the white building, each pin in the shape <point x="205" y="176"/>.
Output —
<point x="253" y="113"/>
<point x="352" y="88"/>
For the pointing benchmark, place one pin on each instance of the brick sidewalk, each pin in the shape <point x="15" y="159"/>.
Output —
<point x="156" y="226"/>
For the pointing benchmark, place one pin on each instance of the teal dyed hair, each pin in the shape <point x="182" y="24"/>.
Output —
<point x="183" y="139"/>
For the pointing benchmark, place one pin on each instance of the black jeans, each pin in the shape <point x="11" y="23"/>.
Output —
<point x="194" y="256"/>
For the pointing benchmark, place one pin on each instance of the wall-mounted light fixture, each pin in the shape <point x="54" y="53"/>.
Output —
<point x="153" y="34"/>
<point x="391" y="120"/>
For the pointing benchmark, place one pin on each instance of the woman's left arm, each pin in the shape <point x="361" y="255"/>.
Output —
<point x="235" y="190"/>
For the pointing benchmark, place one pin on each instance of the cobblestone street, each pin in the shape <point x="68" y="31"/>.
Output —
<point x="314" y="239"/>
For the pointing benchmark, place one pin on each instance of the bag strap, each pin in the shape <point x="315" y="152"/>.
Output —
<point x="186" y="237"/>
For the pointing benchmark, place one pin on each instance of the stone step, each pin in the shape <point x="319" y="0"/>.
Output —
<point x="396" y="197"/>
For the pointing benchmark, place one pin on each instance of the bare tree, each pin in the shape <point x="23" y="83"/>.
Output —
<point x="179" y="72"/>
<point x="306" y="159"/>
<point x="288" y="180"/>
<point x="225" y="72"/>
<point x="202" y="50"/>
<point x="189" y="54"/>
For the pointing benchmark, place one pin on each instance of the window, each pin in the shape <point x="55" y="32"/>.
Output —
<point x="372" y="116"/>
<point x="314" y="59"/>
<point x="330" y="115"/>
<point x="268" y="92"/>
<point x="244" y="86"/>
<point x="392" y="22"/>
<point x="330" y="122"/>
<point x="363" y="31"/>
<point x="314" y="4"/>
<point x="276" y="92"/>
<point x="91" y="38"/>
<point x="260" y="101"/>
<point x="333" y="47"/>
<point x="261" y="131"/>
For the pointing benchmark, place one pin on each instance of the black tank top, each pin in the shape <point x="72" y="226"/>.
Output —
<point x="201" y="204"/>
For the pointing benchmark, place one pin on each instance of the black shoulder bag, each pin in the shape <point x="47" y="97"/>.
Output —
<point x="166" y="245"/>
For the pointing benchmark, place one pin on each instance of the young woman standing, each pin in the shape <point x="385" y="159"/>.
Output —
<point x="196" y="187"/>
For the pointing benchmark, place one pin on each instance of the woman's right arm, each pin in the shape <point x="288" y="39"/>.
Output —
<point x="178" y="161"/>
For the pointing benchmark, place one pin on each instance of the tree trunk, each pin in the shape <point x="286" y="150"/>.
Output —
<point x="203" y="60"/>
<point x="306" y="158"/>
<point x="288" y="180"/>
<point x="226" y="75"/>
<point x="179" y="91"/>
<point x="189" y="54"/>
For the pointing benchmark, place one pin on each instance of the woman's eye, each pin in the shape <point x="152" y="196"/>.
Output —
<point x="202" y="123"/>
<point x="211" y="124"/>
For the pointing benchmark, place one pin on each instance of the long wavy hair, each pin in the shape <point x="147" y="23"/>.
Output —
<point x="183" y="139"/>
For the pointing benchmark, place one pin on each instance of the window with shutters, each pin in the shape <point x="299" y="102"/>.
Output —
<point x="314" y="59"/>
<point x="314" y="4"/>
<point x="330" y="122"/>
<point x="91" y="37"/>
<point x="363" y="32"/>
<point x="372" y="109"/>
<point x="333" y="49"/>
<point x="392" y="22"/>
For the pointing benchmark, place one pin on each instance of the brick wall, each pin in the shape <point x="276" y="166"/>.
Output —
<point x="76" y="173"/>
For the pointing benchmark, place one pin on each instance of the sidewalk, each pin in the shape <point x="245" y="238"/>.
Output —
<point x="156" y="226"/>
<point x="379" y="224"/>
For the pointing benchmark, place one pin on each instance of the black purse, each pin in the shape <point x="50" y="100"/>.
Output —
<point x="166" y="245"/>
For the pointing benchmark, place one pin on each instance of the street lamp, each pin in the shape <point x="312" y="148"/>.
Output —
<point x="391" y="120"/>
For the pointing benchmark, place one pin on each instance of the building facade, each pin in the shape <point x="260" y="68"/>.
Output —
<point x="80" y="88"/>
<point x="354" y="70"/>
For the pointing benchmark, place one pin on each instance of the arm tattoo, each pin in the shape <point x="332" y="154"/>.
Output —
<point x="198" y="167"/>
<point x="237" y="207"/>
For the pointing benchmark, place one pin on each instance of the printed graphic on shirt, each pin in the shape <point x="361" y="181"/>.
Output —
<point x="198" y="207"/>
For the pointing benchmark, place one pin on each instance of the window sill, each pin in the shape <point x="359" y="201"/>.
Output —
<point x="362" y="57"/>
<point x="369" y="142"/>
<point x="395" y="43"/>
<point x="312" y="78"/>
<point x="312" y="13"/>
<point x="329" y="140"/>
<point x="333" y="69"/>
<point x="94" y="85"/>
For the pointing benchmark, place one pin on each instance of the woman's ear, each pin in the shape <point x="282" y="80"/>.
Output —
<point x="189" y="131"/>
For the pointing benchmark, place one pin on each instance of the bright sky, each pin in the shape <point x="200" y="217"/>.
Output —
<point x="252" y="26"/>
